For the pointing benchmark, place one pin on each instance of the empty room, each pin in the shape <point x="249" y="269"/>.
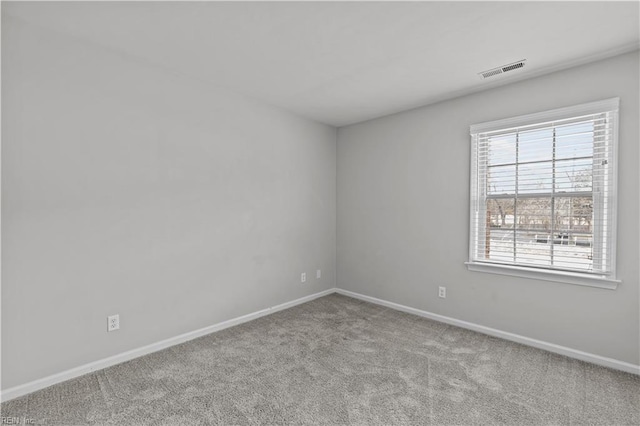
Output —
<point x="320" y="213"/>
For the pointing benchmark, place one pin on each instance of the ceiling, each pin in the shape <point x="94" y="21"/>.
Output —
<point x="344" y="62"/>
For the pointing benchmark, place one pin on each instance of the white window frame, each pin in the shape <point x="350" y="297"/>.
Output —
<point x="608" y="281"/>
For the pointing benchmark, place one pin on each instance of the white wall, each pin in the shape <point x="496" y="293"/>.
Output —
<point x="403" y="205"/>
<point x="127" y="189"/>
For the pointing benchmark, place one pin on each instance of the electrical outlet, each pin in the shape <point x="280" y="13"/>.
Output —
<point x="318" y="274"/>
<point x="442" y="292"/>
<point x="113" y="322"/>
<point x="303" y="277"/>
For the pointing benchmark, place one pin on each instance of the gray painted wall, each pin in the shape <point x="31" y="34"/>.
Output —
<point x="403" y="203"/>
<point x="127" y="189"/>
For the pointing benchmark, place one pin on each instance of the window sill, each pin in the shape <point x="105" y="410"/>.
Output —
<point x="546" y="275"/>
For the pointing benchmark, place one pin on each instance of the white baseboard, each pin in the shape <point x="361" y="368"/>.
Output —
<point x="551" y="347"/>
<point x="35" y="385"/>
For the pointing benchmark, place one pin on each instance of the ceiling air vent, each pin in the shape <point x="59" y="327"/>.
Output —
<point x="502" y="69"/>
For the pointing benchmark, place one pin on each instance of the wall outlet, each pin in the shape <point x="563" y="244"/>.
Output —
<point x="113" y="322"/>
<point x="303" y="277"/>
<point x="442" y="292"/>
<point x="318" y="274"/>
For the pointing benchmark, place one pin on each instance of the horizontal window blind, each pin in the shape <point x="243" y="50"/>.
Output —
<point x="543" y="190"/>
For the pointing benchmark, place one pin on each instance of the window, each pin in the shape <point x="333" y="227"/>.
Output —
<point x="543" y="195"/>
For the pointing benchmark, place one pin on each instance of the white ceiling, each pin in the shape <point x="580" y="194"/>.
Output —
<point x="345" y="62"/>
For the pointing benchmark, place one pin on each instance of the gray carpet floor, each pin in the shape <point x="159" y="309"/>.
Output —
<point x="339" y="361"/>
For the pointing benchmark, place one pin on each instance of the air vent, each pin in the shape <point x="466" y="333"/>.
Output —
<point x="492" y="72"/>
<point x="502" y="69"/>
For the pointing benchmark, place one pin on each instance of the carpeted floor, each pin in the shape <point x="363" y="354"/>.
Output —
<point x="338" y="361"/>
